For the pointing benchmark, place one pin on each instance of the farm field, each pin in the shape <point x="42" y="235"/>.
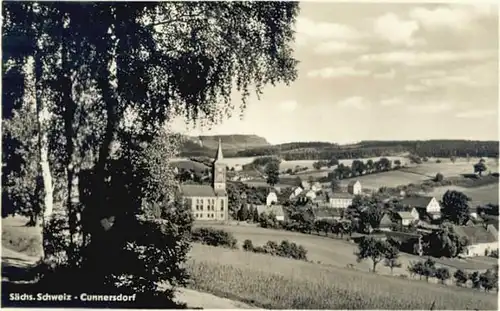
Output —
<point x="447" y="168"/>
<point x="479" y="195"/>
<point x="348" y="162"/>
<point x="327" y="251"/>
<point x="386" y="179"/>
<point x="279" y="283"/>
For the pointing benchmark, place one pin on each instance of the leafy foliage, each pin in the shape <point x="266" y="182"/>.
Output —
<point x="444" y="243"/>
<point x="214" y="237"/>
<point x="442" y="274"/>
<point x="112" y="75"/>
<point x="373" y="249"/>
<point x="284" y="249"/>
<point x="455" y="207"/>
<point x="460" y="277"/>
<point x="439" y="177"/>
<point x="391" y="257"/>
<point x="273" y="173"/>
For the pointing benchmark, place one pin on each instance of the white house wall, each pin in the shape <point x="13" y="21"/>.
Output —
<point x="433" y="206"/>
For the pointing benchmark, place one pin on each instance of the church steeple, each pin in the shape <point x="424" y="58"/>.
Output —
<point x="219" y="170"/>
<point x="219" y="156"/>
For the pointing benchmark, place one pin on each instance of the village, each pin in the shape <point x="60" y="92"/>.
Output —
<point x="401" y="216"/>
<point x="250" y="155"/>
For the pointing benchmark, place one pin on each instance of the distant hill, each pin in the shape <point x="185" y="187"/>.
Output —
<point x="253" y="145"/>
<point x="231" y="144"/>
<point x="365" y="149"/>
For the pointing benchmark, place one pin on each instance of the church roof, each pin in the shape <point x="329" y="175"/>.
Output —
<point x="197" y="191"/>
<point x="219" y="156"/>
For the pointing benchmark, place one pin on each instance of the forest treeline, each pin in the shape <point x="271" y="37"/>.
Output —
<point x="365" y="149"/>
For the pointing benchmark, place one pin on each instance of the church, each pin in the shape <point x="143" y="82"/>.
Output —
<point x="209" y="203"/>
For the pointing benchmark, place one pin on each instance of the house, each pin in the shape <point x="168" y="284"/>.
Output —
<point x="425" y="206"/>
<point x="321" y="198"/>
<point x="316" y="187"/>
<point x="278" y="210"/>
<point x="386" y="223"/>
<point x="272" y="198"/>
<point x="340" y="200"/>
<point x="311" y="194"/>
<point x="354" y="187"/>
<point x="491" y="228"/>
<point x="304" y="184"/>
<point x="295" y="192"/>
<point x="209" y="203"/>
<point x="328" y="213"/>
<point x="238" y="168"/>
<point x="407" y="218"/>
<point x="481" y="240"/>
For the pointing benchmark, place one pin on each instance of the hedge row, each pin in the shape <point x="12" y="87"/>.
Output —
<point x="214" y="237"/>
<point x="284" y="249"/>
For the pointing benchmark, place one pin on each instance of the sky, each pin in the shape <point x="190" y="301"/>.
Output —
<point x="373" y="71"/>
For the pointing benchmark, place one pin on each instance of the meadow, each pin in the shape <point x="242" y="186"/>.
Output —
<point x="448" y="168"/>
<point x="348" y="162"/>
<point x="325" y="250"/>
<point x="386" y="179"/>
<point x="479" y="195"/>
<point x="279" y="283"/>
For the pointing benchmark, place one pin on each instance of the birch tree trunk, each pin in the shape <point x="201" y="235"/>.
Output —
<point x="43" y="119"/>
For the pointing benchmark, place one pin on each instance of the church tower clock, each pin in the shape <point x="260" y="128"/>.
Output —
<point x="219" y="170"/>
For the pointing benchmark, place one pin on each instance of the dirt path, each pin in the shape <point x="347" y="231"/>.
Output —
<point x="194" y="299"/>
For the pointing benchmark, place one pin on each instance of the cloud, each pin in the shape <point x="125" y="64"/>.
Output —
<point x="288" y="106"/>
<point x="391" y="74"/>
<point x="446" y="81"/>
<point x="477" y="114"/>
<point x="414" y="58"/>
<point x="458" y="16"/>
<point x="355" y="102"/>
<point x="395" y="30"/>
<point x="481" y="75"/>
<point x="337" y="72"/>
<point x="324" y="30"/>
<point x="413" y="88"/>
<point x="391" y="102"/>
<point x="429" y="108"/>
<point x="337" y="47"/>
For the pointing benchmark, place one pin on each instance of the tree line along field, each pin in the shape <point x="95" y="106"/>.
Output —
<point x="325" y="250"/>
<point x="280" y="283"/>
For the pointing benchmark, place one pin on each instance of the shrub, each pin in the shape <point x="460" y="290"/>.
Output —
<point x="460" y="277"/>
<point x="439" y="177"/>
<point x="442" y="274"/>
<point x="494" y="253"/>
<point x="438" y="161"/>
<point x="284" y="249"/>
<point x="248" y="245"/>
<point x="214" y="237"/>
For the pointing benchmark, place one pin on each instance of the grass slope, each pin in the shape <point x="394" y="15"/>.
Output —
<point x="325" y="250"/>
<point x="280" y="283"/>
<point x="479" y="195"/>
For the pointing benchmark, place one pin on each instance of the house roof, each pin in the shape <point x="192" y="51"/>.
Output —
<point x="386" y="221"/>
<point x="219" y="156"/>
<point x="417" y="201"/>
<point x="401" y="235"/>
<point x="341" y="195"/>
<point x="493" y="222"/>
<point x="476" y="234"/>
<point x="352" y="183"/>
<point x="327" y="212"/>
<point x="200" y="191"/>
<point x="405" y="215"/>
